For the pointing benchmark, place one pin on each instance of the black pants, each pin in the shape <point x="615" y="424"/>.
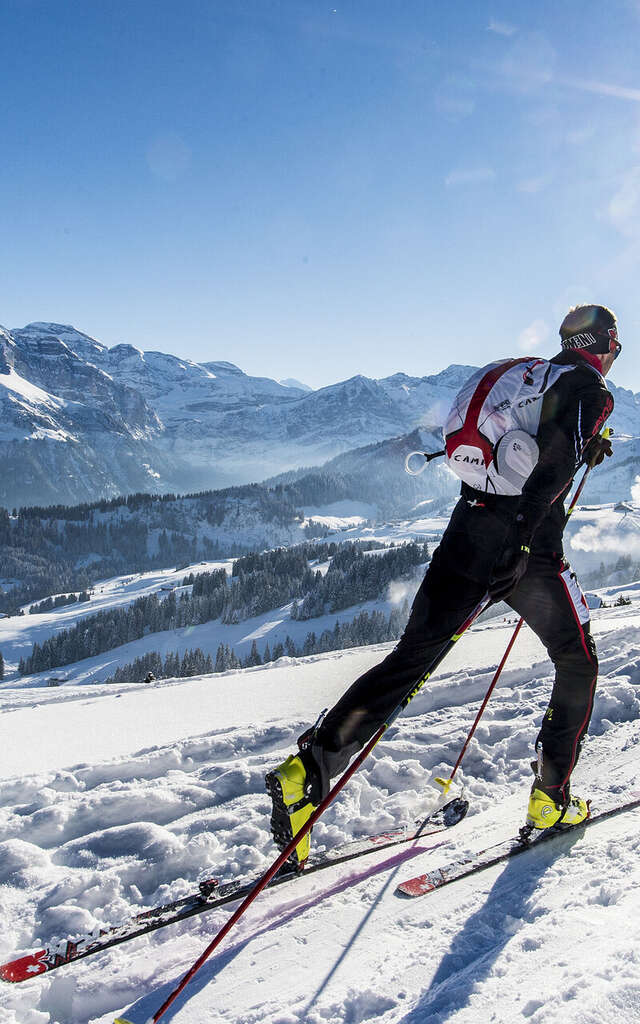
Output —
<point x="548" y="598"/>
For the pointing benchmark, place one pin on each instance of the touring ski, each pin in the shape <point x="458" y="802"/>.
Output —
<point x="420" y="885"/>
<point x="212" y="894"/>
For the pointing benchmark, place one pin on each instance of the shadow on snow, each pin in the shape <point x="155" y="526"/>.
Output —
<point x="474" y="951"/>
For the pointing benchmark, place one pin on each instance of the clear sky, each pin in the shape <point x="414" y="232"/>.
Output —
<point x="317" y="191"/>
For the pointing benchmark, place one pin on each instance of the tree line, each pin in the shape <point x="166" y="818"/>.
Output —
<point x="260" y="583"/>
<point x="366" y="628"/>
<point x="354" y="577"/>
<point x="61" y="601"/>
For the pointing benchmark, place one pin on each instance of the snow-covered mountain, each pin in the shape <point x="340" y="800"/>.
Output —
<point x="70" y="431"/>
<point x="291" y="382"/>
<point x="80" y="421"/>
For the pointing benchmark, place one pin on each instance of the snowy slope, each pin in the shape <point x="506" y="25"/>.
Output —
<point x="122" y="800"/>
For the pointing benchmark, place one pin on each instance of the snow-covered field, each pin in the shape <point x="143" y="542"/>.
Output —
<point x="113" y="800"/>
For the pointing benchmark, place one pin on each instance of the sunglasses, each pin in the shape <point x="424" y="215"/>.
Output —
<point x="614" y="345"/>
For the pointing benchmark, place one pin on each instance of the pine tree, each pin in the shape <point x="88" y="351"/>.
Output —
<point x="254" y="656"/>
<point x="1" y="666"/>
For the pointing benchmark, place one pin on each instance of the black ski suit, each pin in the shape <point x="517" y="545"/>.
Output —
<point x="547" y="597"/>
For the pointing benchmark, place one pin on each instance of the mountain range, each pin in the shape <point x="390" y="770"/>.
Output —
<point x="80" y="421"/>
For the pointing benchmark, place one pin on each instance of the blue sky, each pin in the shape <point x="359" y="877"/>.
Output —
<point x="316" y="191"/>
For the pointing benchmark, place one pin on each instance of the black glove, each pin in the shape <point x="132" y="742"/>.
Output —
<point x="596" y="450"/>
<point x="509" y="569"/>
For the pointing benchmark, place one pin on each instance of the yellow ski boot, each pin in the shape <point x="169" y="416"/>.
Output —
<point x="543" y="812"/>
<point x="287" y="785"/>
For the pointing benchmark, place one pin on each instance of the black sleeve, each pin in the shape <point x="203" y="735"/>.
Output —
<point x="570" y="416"/>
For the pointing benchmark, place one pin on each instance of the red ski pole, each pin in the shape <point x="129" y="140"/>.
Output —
<point x="263" y="882"/>
<point x="446" y="783"/>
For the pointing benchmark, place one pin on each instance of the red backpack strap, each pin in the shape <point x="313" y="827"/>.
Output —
<point x="469" y="432"/>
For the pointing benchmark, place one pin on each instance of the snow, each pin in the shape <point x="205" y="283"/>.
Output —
<point x="30" y="400"/>
<point x="12" y="381"/>
<point x="340" y="515"/>
<point x="116" y="799"/>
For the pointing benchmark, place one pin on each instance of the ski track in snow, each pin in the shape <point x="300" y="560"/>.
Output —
<point x="551" y="936"/>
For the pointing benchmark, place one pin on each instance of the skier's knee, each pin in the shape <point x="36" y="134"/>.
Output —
<point x="579" y="657"/>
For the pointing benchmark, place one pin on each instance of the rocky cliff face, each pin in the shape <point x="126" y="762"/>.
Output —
<point x="79" y="420"/>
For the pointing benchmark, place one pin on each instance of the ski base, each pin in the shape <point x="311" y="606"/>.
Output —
<point x="212" y="894"/>
<point x="428" y="882"/>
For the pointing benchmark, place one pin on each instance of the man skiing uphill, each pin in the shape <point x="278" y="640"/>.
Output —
<point x="516" y="435"/>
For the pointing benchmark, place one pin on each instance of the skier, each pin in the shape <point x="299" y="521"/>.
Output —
<point x="508" y="545"/>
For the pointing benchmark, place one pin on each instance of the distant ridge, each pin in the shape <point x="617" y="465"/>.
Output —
<point x="80" y="421"/>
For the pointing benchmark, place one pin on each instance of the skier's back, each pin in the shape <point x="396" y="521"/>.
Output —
<point x="509" y="544"/>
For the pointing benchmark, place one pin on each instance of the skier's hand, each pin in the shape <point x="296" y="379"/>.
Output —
<point x="508" y="571"/>
<point x="596" y="450"/>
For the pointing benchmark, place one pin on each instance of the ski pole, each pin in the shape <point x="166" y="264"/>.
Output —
<point x="446" y="783"/>
<point x="319" y="811"/>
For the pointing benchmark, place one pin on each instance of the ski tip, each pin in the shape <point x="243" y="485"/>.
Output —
<point x="25" y="967"/>
<point x="121" y="1020"/>
<point x="415" y="886"/>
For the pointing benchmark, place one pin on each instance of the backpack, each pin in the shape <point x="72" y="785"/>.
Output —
<point x="490" y="431"/>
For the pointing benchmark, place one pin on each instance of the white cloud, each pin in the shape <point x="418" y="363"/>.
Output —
<point x="606" y="540"/>
<point x="472" y="176"/>
<point x="531" y="62"/>
<point x="620" y="92"/>
<point x="533" y="337"/>
<point x="502" y="28"/>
